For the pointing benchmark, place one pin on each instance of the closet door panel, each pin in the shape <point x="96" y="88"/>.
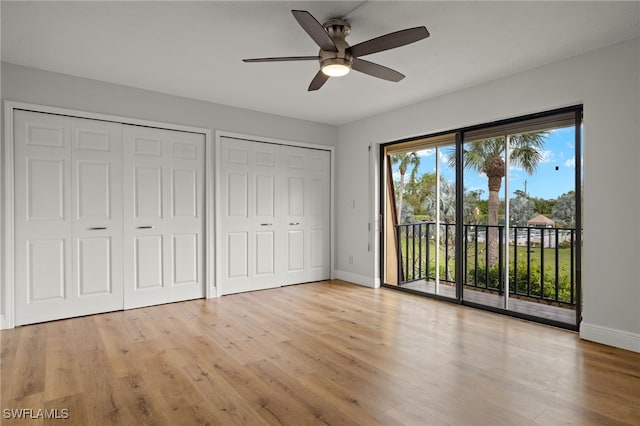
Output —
<point x="275" y="216"/>
<point x="251" y="219"/>
<point x="318" y="216"/>
<point x="94" y="264"/>
<point x="164" y="216"/>
<point x="308" y="198"/>
<point x="97" y="214"/>
<point x="67" y="217"/>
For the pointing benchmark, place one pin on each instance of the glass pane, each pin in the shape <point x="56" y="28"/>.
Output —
<point x="484" y="209"/>
<point x="542" y="223"/>
<point x="531" y="178"/>
<point x="425" y="206"/>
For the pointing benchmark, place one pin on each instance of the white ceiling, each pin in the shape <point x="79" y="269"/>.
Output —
<point x="194" y="49"/>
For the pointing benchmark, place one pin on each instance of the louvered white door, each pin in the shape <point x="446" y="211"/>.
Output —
<point x="163" y="216"/>
<point x="68" y="217"/>
<point x="307" y="198"/>
<point x="251" y="219"/>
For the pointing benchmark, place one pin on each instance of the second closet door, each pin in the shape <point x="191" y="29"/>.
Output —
<point x="252" y="216"/>
<point x="275" y="215"/>
<point x="163" y="216"/>
<point x="307" y="204"/>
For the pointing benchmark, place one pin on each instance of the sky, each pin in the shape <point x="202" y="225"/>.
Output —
<point x="554" y="176"/>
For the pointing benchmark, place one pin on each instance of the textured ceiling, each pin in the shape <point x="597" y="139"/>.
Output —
<point x="194" y="49"/>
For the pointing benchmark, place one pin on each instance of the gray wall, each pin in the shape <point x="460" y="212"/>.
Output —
<point x="31" y="85"/>
<point x="35" y="86"/>
<point x="607" y="82"/>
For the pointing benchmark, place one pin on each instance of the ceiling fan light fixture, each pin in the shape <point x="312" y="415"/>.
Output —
<point x="336" y="67"/>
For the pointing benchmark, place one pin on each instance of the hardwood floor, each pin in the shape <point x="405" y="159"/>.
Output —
<point x="330" y="353"/>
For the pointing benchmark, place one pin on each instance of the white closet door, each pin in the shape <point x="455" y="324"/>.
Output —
<point x="163" y="216"/>
<point x="307" y="198"/>
<point x="68" y="217"/>
<point x="251" y="216"/>
<point x="275" y="215"/>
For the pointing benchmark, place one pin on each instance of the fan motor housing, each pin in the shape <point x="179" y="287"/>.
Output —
<point x="338" y="29"/>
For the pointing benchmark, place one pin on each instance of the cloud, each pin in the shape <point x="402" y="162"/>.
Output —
<point x="426" y="152"/>
<point x="570" y="162"/>
<point x="547" y="156"/>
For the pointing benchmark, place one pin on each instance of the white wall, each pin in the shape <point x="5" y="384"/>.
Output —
<point x="35" y="86"/>
<point x="607" y="82"/>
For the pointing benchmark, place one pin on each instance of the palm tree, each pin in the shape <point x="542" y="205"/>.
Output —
<point x="405" y="159"/>
<point x="487" y="156"/>
<point x="418" y="189"/>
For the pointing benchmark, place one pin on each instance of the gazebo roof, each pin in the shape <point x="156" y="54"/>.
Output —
<point x="541" y="220"/>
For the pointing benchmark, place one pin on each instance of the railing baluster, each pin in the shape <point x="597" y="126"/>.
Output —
<point x="542" y="262"/>
<point x="399" y="254"/>
<point x="428" y="248"/>
<point x="572" y="272"/>
<point x="500" y="261"/>
<point x="528" y="261"/>
<point x="486" y="257"/>
<point x="446" y="252"/>
<point x="420" y="251"/>
<point x="406" y="250"/>
<point x="475" y="275"/>
<point x="515" y="260"/>
<point x="413" y="252"/>
<point x="465" y="258"/>
<point x="557" y="262"/>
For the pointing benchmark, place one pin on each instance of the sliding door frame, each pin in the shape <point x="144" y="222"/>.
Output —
<point x="577" y="111"/>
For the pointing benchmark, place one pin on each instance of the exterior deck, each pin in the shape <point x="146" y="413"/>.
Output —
<point x="533" y="308"/>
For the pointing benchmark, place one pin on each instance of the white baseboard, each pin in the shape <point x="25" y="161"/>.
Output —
<point x="610" y="336"/>
<point x="4" y="322"/>
<point x="358" y="279"/>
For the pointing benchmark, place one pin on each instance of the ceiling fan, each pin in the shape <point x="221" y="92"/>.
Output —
<point x="337" y="58"/>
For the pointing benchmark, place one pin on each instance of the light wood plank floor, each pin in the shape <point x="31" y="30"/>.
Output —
<point x="329" y="353"/>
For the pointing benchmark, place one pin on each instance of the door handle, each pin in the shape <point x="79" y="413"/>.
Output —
<point x="145" y="227"/>
<point x="266" y="224"/>
<point x="98" y="228"/>
<point x="294" y="223"/>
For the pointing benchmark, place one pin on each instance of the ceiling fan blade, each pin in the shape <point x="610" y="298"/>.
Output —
<point x="318" y="81"/>
<point x="315" y="30"/>
<point x="376" y="70"/>
<point x="283" y="59"/>
<point x="389" y="41"/>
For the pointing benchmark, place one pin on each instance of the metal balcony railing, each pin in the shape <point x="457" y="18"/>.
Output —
<point x="541" y="260"/>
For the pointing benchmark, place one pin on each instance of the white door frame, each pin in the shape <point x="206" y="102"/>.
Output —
<point x="218" y="202"/>
<point x="7" y="301"/>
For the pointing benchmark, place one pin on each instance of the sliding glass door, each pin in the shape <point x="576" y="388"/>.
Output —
<point x="421" y="187"/>
<point x="511" y="240"/>
<point x="521" y="249"/>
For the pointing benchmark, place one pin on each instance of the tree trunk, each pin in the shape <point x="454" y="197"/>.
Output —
<point x="400" y="196"/>
<point x="492" y="234"/>
<point x="495" y="172"/>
